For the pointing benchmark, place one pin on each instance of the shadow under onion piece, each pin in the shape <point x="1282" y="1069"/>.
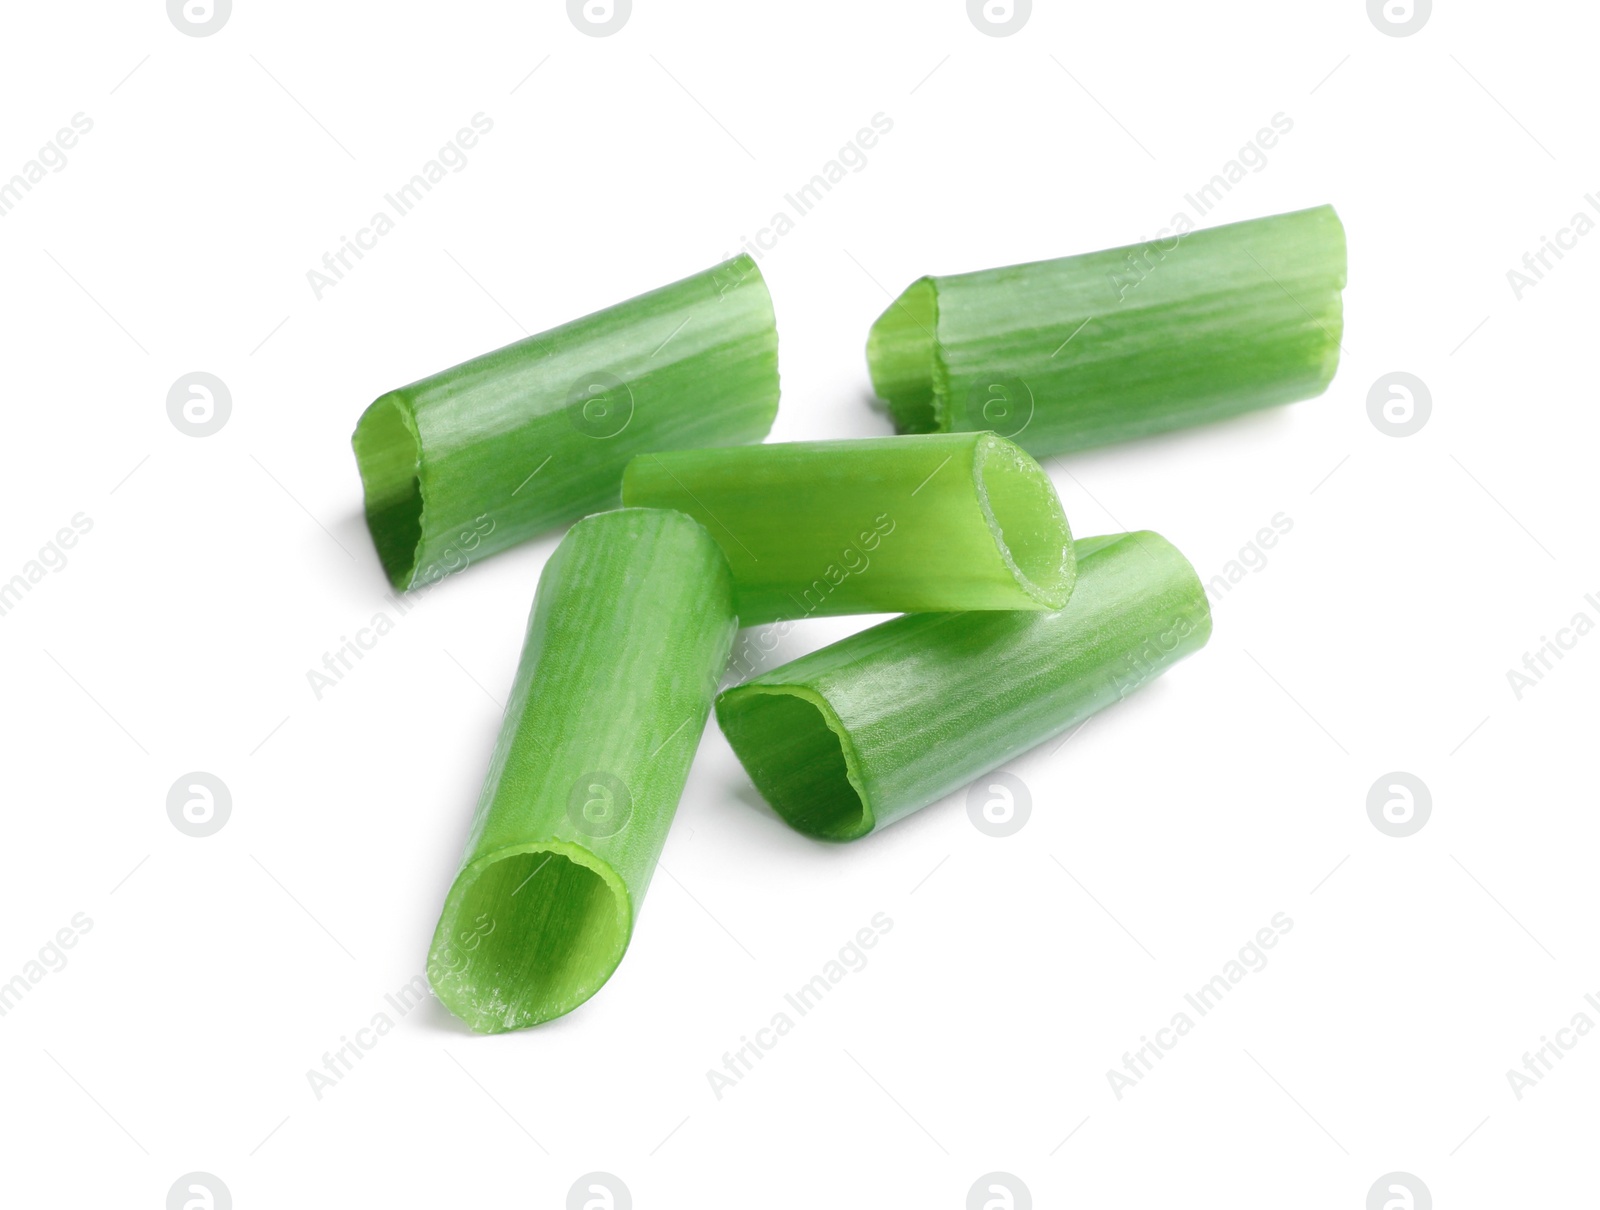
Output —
<point x="852" y="737"/>
<point x="630" y="631"/>
<point x="495" y="451"/>
<point x="1082" y="351"/>
<point x="883" y="525"/>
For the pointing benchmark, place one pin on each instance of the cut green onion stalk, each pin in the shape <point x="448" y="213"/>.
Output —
<point x="492" y="452"/>
<point x="630" y="629"/>
<point x="1064" y="354"/>
<point x="885" y="525"/>
<point x="855" y="736"/>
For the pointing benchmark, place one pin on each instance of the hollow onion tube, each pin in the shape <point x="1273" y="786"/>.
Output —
<point x="1064" y="354"/>
<point x="855" y="736"/>
<point x="485" y="455"/>
<point x="884" y="525"/>
<point x="630" y="629"/>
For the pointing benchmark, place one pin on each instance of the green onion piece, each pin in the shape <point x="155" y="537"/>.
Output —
<point x="631" y="627"/>
<point x="492" y="452"/>
<point x="1065" y="354"/>
<point x="853" y="737"/>
<point x="884" y="525"/>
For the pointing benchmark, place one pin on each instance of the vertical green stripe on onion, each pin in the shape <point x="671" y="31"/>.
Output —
<point x="1065" y="354"/>
<point x="630" y="630"/>
<point x="494" y="451"/>
<point x="852" y="737"/>
<point x="883" y="525"/>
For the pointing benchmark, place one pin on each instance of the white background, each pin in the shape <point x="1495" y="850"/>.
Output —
<point x="1376" y="638"/>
